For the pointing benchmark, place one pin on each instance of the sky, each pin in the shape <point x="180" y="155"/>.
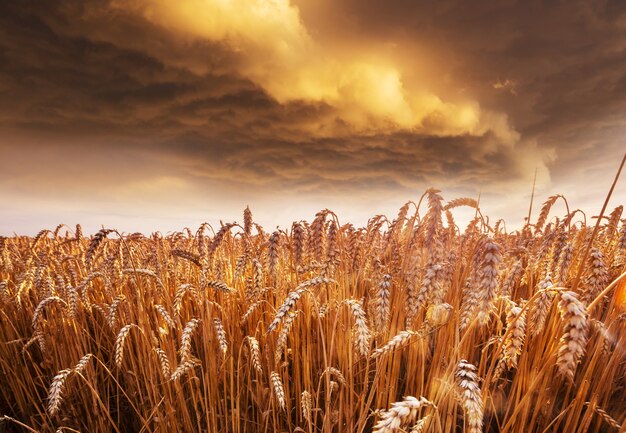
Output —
<point x="148" y="115"/>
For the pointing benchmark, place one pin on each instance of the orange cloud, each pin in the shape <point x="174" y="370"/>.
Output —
<point x="276" y="51"/>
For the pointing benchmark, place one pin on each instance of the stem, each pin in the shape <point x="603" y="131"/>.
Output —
<point x="582" y="266"/>
<point x="532" y="197"/>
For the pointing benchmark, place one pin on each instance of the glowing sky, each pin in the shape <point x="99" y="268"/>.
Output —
<point x="155" y="114"/>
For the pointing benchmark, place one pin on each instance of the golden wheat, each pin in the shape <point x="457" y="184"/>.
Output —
<point x="321" y="328"/>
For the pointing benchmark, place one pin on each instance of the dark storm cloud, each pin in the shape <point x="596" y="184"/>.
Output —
<point x="58" y="77"/>
<point x="87" y="78"/>
<point x="398" y="162"/>
<point x="565" y="59"/>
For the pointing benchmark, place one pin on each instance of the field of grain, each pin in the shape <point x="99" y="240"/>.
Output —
<point x="410" y="324"/>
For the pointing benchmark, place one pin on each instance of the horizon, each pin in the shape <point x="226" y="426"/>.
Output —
<point x="462" y="217"/>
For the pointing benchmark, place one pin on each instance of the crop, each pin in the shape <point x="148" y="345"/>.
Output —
<point x="406" y="324"/>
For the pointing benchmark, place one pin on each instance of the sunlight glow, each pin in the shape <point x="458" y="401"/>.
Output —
<point x="278" y="53"/>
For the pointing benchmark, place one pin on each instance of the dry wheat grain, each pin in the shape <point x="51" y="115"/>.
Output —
<point x="401" y="413"/>
<point x="119" y="343"/>
<point x="469" y="395"/>
<point x="574" y="338"/>
<point x="279" y="392"/>
<point x="185" y="339"/>
<point x="306" y="404"/>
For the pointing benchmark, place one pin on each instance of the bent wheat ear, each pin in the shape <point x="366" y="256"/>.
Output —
<point x="332" y="371"/>
<point x="180" y="294"/>
<point x="185" y="339"/>
<point x="419" y="298"/>
<point x="281" y="341"/>
<point x="218" y="285"/>
<point x="55" y="394"/>
<point x="37" y="337"/>
<point x="462" y="201"/>
<point x="402" y="339"/>
<point x="250" y="310"/>
<point x="119" y="343"/>
<point x="606" y="417"/>
<point x="420" y="424"/>
<point x="400" y="413"/>
<point x="293" y="297"/>
<point x="545" y="210"/>
<point x="82" y="364"/>
<point x="164" y="362"/>
<point x="187" y="255"/>
<point x="112" y="316"/>
<point x="42" y="305"/>
<point x="184" y="368"/>
<point x="255" y="354"/>
<point x="165" y="315"/>
<point x="95" y="242"/>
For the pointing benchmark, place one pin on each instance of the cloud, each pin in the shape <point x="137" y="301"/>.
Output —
<point x="310" y="103"/>
<point x="275" y="50"/>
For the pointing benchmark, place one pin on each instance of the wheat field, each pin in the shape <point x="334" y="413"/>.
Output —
<point x="409" y="324"/>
